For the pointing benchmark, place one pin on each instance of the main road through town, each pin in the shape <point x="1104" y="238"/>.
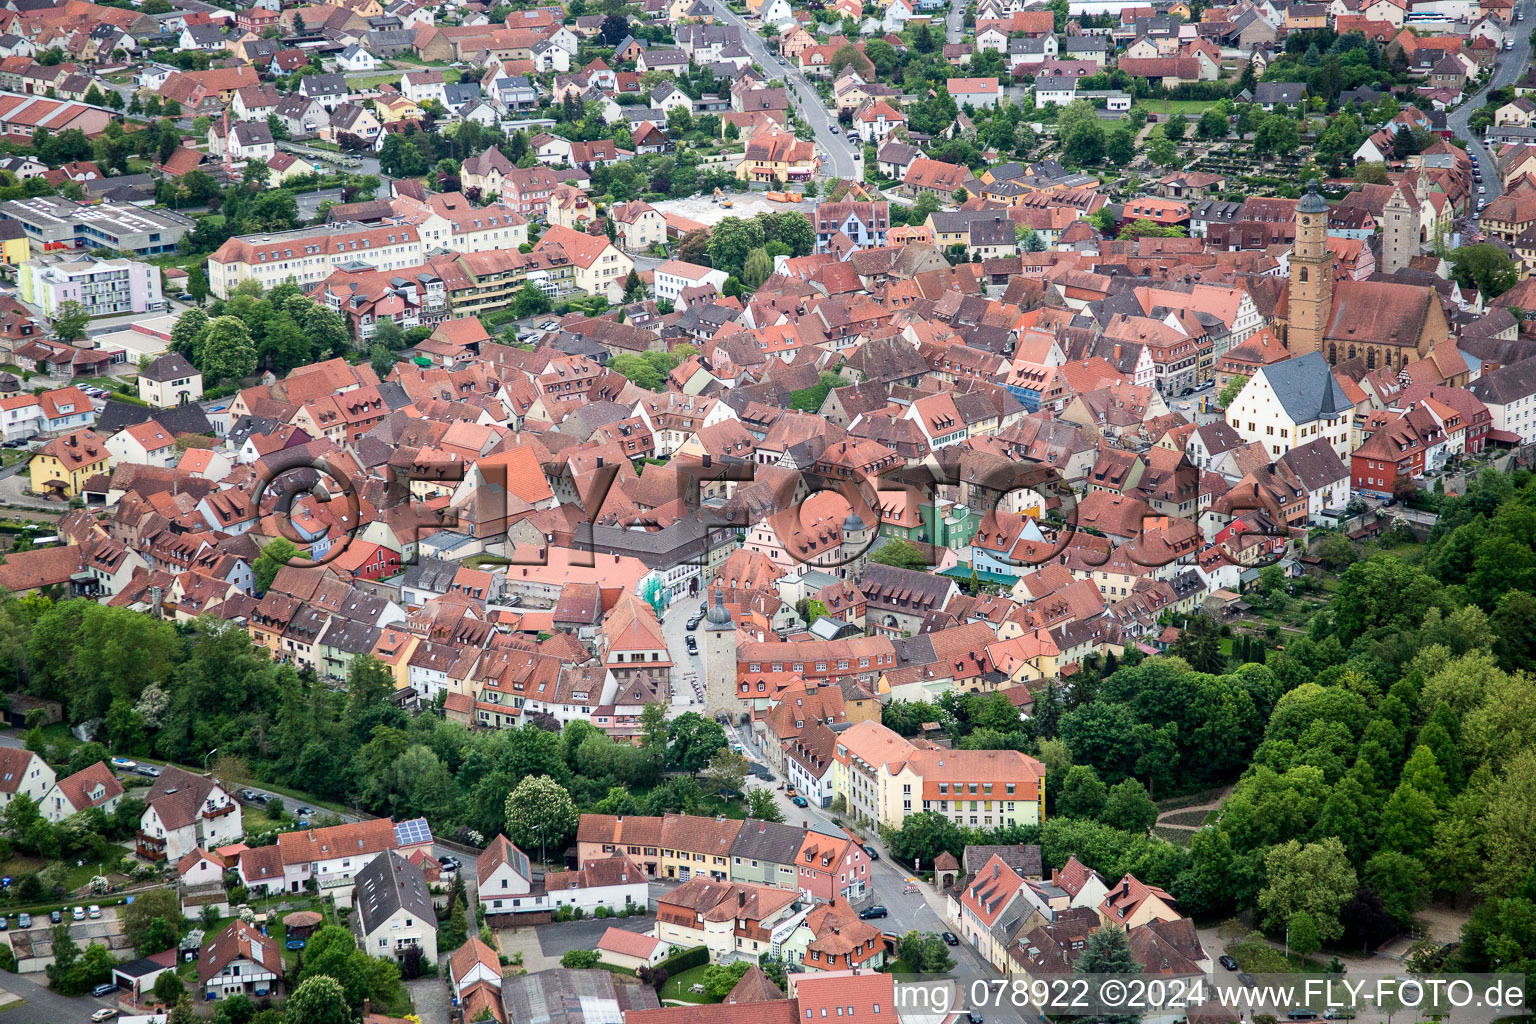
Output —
<point x="1508" y="66"/>
<point x="844" y="158"/>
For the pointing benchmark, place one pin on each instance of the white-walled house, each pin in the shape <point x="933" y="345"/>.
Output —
<point x="473" y="963"/>
<point x="95" y="786"/>
<point x="615" y="882"/>
<point x="170" y="380"/>
<point x="395" y="910"/>
<point x="185" y="811"/>
<point x="144" y="444"/>
<point x="239" y="959"/>
<point x="505" y="881"/>
<point x="22" y="771"/>
<point x="1291" y="403"/>
<point x="333" y="856"/>
<point x="675" y="275"/>
<point x="200" y="868"/>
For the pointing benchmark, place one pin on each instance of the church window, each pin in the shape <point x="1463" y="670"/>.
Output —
<point x="1303" y="274"/>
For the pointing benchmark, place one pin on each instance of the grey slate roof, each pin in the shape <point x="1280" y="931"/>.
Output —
<point x="171" y="366"/>
<point x="1306" y="388"/>
<point x="774" y="842"/>
<point x="1022" y="858"/>
<point x="1506" y="384"/>
<point x="430" y="574"/>
<point x="388" y="884"/>
<point x="187" y="418"/>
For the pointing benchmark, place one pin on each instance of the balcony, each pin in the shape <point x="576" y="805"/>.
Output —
<point x="218" y="811"/>
<point x="149" y="847"/>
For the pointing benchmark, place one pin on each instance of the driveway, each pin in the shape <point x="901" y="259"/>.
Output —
<point x="430" y="997"/>
<point x="525" y="940"/>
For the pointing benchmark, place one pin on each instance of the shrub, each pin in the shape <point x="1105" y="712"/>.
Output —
<point x="677" y="963"/>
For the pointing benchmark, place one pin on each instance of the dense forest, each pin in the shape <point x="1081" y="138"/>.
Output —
<point x="1385" y="758"/>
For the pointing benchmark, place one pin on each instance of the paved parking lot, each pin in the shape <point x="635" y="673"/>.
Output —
<point x="34" y="946"/>
<point x="555" y="940"/>
<point x="745" y="205"/>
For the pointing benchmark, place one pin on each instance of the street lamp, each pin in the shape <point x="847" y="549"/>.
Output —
<point x="206" y="756"/>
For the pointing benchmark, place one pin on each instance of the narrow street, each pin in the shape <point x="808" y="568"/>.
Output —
<point x="1508" y="67"/>
<point x="954" y="22"/>
<point x="843" y="158"/>
<point x="922" y="911"/>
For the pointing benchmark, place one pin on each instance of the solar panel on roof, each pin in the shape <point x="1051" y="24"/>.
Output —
<point x="413" y="832"/>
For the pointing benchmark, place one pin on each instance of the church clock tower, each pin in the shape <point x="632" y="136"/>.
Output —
<point x="1311" y="301"/>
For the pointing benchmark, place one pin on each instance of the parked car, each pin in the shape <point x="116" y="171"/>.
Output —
<point x="24" y="921"/>
<point x="1301" y="1013"/>
<point x="950" y="938"/>
<point x="104" y="989"/>
<point x="149" y="770"/>
<point x="693" y="623"/>
<point x="55" y="916"/>
<point x="870" y="913"/>
<point x="692" y="645"/>
<point x="105" y="1013"/>
<point x="77" y="914"/>
<point x="871" y="852"/>
<point x="249" y="795"/>
<point x="800" y="801"/>
<point x="973" y="1017"/>
<point x="449" y="862"/>
<point x="1343" y="1013"/>
<point x="93" y="912"/>
<point x="1228" y="962"/>
<point x="5" y="925"/>
<point x="303" y="812"/>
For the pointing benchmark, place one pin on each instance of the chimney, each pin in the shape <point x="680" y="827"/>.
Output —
<point x="741" y="898"/>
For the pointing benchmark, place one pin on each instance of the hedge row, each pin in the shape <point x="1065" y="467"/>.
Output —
<point x="688" y="959"/>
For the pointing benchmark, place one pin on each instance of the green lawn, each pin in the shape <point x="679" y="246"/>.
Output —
<point x="364" y="81"/>
<point x="679" y="986"/>
<point x="1186" y="107"/>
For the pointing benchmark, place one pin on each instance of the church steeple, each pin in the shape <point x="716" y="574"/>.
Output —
<point x="1311" y="299"/>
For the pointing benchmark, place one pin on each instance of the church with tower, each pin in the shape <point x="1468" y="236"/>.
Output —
<point x="1383" y="323"/>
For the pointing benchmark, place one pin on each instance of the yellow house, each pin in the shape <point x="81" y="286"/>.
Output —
<point x="393" y="650"/>
<point x="284" y="166"/>
<point x="600" y="268"/>
<point x="773" y="154"/>
<point x="1027" y="657"/>
<point x="952" y="230"/>
<point x="14" y="247"/>
<point x="398" y="109"/>
<point x="67" y="462"/>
